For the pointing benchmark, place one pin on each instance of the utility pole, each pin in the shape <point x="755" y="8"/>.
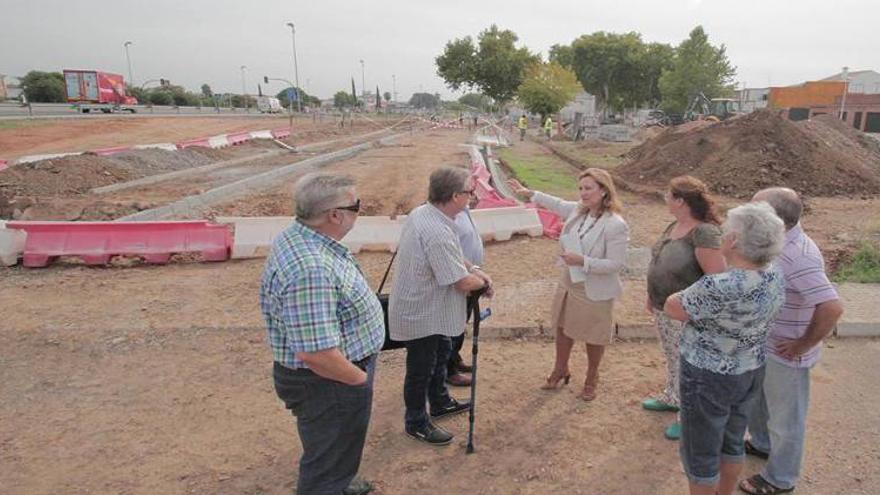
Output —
<point x="845" y="89"/>
<point x="128" y="59"/>
<point x="244" y="89"/>
<point x="394" y="88"/>
<point x="295" y="67"/>
<point x="363" y="84"/>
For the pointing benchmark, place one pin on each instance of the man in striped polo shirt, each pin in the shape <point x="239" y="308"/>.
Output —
<point x="777" y="426"/>
<point x="427" y="303"/>
<point x="325" y="328"/>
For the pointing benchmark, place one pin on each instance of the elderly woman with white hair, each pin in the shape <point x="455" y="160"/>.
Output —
<point x="727" y="317"/>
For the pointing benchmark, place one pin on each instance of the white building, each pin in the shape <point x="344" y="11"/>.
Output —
<point x="584" y="103"/>
<point x="752" y="99"/>
<point x="860" y="81"/>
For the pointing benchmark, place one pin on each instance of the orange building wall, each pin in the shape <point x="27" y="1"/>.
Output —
<point x="810" y="94"/>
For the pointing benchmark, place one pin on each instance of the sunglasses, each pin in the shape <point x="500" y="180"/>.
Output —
<point x="356" y="207"/>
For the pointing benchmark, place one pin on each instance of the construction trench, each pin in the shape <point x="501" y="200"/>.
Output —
<point x="155" y="379"/>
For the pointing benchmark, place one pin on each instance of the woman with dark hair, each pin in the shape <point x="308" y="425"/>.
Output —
<point x="688" y="249"/>
<point x="594" y="241"/>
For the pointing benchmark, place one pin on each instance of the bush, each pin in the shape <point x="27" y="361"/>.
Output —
<point x="158" y="97"/>
<point x="864" y="267"/>
<point x="44" y="87"/>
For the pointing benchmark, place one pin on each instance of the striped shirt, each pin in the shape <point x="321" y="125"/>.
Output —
<point x="806" y="286"/>
<point x="314" y="297"/>
<point x="423" y="299"/>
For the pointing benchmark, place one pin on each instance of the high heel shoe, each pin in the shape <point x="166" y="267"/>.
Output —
<point x="589" y="392"/>
<point x="554" y="379"/>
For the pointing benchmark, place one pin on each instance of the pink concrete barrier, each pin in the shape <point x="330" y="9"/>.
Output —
<point x="202" y="142"/>
<point x="281" y="132"/>
<point x="551" y="221"/>
<point x="110" y="151"/>
<point x="4" y="164"/>
<point x="238" y="137"/>
<point x="97" y="242"/>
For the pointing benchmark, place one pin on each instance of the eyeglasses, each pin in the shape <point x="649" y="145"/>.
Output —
<point x="469" y="192"/>
<point x="356" y="207"/>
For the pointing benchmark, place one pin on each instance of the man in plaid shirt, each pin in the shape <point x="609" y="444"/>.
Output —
<point x="325" y="327"/>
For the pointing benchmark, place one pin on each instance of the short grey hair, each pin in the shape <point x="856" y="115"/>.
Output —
<point x="760" y="233"/>
<point x="786" y="202"/>
<point x="317" y="193"/>
<point x="445" y="182"/>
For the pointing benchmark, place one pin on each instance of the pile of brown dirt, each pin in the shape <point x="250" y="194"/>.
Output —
<point x="78" y="174"/>
<point x="740" y="156"/>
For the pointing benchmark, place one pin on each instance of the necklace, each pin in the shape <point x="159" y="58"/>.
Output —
<point x="581" y="232"/>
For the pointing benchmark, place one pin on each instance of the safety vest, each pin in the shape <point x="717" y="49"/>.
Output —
<point x="548" y="124"/>
<point x="523" y="123"/>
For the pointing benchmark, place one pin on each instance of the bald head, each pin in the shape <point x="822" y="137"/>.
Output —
<point x="785" y="201"/>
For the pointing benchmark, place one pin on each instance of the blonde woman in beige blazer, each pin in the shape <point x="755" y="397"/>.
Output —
<point x="595" y="239"/>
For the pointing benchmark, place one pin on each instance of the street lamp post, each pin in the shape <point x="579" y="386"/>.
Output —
<point x="845" y="89"/>
<point x="128" y="59"/>
<point x="295" y="66"/>
<point x="247" y="106"/>
<point x="363" y="82"/>
<point x="394" y="87"/>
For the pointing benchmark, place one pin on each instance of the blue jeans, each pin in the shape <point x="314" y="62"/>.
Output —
<point x="778" y="422"/>
<point x="714" y="417"/>
<point x="426" y="362"/>
<point x="332" y="420"/>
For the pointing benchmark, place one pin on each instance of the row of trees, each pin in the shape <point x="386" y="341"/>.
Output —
<point x="621" y="70"/>
<point x="48" y="87"/>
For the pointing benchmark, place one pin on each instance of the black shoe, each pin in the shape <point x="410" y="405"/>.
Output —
<point x="454" y="407"/>
<point x="430" y="434"/>
<point x="464" y="368"/>
<point x="358" y="486"/>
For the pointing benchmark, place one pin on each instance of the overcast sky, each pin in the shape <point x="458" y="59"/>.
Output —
<point x="190" y="42"/>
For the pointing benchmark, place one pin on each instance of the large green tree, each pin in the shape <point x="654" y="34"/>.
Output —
<point x="343" y="99"/>
<point x="494" y="66"/>
<point x="698" y="66"/>
<point x="476" y="100"/>
<point x="608" y="65"/>
<point x="44" y="87"/>
<point x="546" y="88"/>
<point x="563" y="55"/>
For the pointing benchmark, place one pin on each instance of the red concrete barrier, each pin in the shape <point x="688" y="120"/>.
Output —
<point x="281" y="132"/>
<point x="3" y="164"/>
<point x="551" y="221"/>
<point x="96" y="242"/>
<point x="238" y="138"/>
<point x="202" y="142"/>
<point x="110" y="151"/>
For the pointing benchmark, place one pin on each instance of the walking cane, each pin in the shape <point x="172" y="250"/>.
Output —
<point x="476" y="316"/>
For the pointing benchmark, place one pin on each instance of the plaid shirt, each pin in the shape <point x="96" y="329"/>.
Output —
<point x="314" y="297"/>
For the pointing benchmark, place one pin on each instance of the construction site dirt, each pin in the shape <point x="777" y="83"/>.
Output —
<point x="157" y="379"/>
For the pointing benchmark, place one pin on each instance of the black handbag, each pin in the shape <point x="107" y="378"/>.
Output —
<point x="383" y="300"/>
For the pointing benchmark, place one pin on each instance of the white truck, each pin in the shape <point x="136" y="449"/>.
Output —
<point x="269" y="104"/>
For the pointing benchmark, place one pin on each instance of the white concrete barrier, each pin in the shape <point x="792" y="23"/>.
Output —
<point x="220" y="141"/>
<point x="500" y="224"/>
<point x="11" y="244"/>
<point x="158" y="146"/>
<point x="262" y="135"/>
<point x="254" y="235"/>
<point x="36" y="158"/>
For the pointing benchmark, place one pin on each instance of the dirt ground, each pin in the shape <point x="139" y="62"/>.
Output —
<point x="68" y="135"/>
<point x="156" y="379"/>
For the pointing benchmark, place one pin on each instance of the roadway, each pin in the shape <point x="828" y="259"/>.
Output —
<point x="10" y="111"/>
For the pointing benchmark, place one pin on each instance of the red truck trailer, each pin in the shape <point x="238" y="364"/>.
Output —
<point x="91" y="90"/>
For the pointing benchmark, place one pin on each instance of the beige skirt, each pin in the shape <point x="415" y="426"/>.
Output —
<point x="580" y="318"/>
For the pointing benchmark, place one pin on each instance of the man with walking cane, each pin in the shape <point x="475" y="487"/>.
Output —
<point x="428" y="301"/>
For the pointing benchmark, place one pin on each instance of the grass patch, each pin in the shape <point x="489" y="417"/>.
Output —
<point x="606" y="156"/>
<point x="864" y="267"/>
<point x="544" y="173"/>
<point x="16" y="124"/>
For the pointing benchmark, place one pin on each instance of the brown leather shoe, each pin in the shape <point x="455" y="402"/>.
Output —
<point x="459" y="380"/>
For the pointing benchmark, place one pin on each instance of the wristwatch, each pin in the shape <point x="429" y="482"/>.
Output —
<point x="474" y="268"/>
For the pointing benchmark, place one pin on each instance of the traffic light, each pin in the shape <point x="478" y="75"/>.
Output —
<point x="266" y="79"/>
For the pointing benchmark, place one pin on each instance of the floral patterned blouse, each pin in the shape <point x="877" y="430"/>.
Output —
<point x="729" y="316"/>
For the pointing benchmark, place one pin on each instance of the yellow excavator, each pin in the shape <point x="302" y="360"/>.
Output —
<point x="712" y="109"/>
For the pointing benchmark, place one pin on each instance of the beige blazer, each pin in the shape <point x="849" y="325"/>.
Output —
<point x="604" y="246"/>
